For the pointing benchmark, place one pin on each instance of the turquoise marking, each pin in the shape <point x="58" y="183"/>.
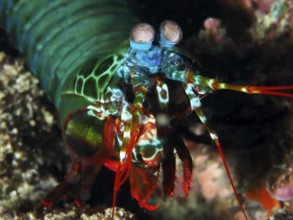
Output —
<point x="140" y="46"/>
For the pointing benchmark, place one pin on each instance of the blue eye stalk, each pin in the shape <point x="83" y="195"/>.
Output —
<point x="144" y="58"/>
<point x="142" y="36"/>
<point x="170" y="34"/>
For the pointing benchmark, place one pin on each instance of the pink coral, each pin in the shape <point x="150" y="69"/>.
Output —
<point x="209" y="182"/>
<point x="283" y="192"/>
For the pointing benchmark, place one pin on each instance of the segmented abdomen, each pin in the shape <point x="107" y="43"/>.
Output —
<point x="58" y="37"/>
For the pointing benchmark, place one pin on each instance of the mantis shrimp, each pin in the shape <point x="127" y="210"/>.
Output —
<point x="100" y="89"/>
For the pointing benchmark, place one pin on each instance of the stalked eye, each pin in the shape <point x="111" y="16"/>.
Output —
<point x="142" y="36"/>
<point x="83" y="132"/>
<point x="170" y="33"/>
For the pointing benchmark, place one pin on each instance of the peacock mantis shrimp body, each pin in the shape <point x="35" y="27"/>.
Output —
<point x="89" y="79"/>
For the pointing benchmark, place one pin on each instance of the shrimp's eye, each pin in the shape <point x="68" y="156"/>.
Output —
<point x="142" y="36"/>
<point x="170" y="33"/>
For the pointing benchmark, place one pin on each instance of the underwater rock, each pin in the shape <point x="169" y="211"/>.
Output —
<point x="27" y="141"/>
<point x="32" y="154"/>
